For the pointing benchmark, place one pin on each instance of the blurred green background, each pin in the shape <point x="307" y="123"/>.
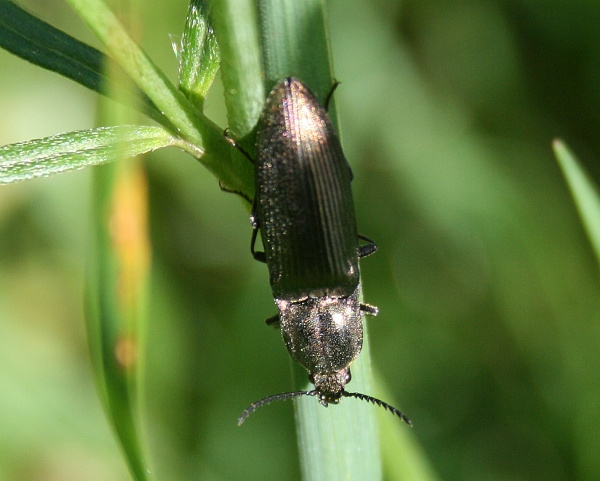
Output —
<point x="489" y="332"/>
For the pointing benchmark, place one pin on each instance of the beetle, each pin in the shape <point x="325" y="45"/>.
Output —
<point x="304" y="211"/>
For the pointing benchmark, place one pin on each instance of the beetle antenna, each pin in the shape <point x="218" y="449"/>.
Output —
<point x="380" y="403"/>
<point x="277" y="397"/>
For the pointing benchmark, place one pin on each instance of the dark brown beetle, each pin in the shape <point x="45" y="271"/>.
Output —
<point x="304" y="211"/>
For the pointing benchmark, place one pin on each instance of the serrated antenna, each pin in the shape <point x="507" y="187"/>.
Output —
<point x="277" y="397"/>
<point x="380" y="403"/>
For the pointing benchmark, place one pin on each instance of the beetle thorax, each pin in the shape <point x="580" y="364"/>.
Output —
<point x="324" y="334"/>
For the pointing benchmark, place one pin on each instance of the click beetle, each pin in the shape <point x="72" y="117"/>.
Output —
<point x="304" y="210"/>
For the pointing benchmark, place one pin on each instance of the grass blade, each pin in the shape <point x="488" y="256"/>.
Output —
<point x="117" y="282"/>
<point x="75" y="150"/>
<point x="199" y="56"/>
<point x="236" y="27"/>
<point x="116" y="300"/>
<point x="584" y="192"/>
<point x="295" y="42"/>
<point x="42" y="44"/>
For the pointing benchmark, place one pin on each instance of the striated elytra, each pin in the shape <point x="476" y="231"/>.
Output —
<point x="304" y="211"/>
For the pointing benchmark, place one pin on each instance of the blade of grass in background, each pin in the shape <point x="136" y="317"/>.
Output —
<point x="403" y="458"/>
<point x="117" y="282"/>
<point x="116" y="304"/>
<point x="584" y="192"/>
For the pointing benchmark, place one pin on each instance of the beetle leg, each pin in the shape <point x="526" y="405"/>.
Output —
<point x="368" y="249"/>
<point x="237" y="192"/>
<point x="233" y="143"/>
<point x="259" y="256"/>
<point x="369" y="309"/>
<point x="273" y="321"/>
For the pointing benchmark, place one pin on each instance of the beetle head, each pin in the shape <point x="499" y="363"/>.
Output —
<point x="330" y="387"/>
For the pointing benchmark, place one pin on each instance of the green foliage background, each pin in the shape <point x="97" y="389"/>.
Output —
<point x="489" y="329"/>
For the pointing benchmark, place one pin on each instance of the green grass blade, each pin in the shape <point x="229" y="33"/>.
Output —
<point x="236" y="27"/>
<point x="117" y="285"/>
<point x="199" y="55"/>
<point x="583" y="191"/>
<point x="116" y="298"/>
<point x="339" y="442"/>
<point x="42" y="44"/>
<point x="75" y="150"/>
<point x="295" y="42"/>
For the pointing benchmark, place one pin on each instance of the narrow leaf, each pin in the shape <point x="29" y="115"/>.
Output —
<point x="75" y="150"/>
<point x="289" y="30"/>
<point x="236" y="27"/>
<point x="583" y="191"/>
<point x="199" y="55"/>
<point x="42" y="44"/>
<point x="116" y="300"/>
